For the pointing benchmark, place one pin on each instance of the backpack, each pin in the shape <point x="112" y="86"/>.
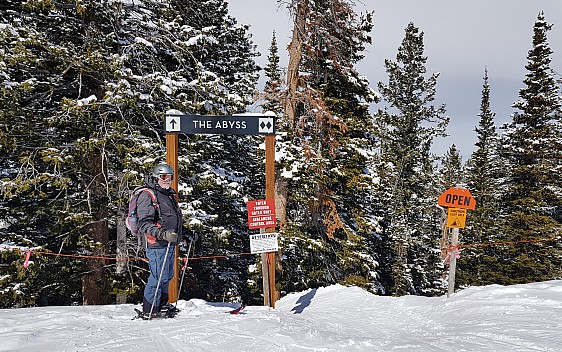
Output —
<point x="132" y="219"/>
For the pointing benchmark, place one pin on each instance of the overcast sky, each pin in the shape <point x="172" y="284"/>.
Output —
<point x="461" y="39"/>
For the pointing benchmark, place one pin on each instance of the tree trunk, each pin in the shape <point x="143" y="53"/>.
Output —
<point x="281" y="200"/>
<point x="121" y="266"/>
<point x="94" y="287"/>
<point x="295" y="57"/>
<point x="122" y="254"/>
<point x="290" y="106"/>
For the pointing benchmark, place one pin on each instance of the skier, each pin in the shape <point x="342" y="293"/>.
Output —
<point x="161" y="223"/>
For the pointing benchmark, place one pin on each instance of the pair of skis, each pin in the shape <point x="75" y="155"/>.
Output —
<point x="165" y="314"/>
<point x="172" y="313"/>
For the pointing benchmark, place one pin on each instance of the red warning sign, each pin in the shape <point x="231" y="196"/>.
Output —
<point x="261" y="214"/>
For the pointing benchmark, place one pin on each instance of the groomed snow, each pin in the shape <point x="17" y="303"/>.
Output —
<point x="336" y="318"/>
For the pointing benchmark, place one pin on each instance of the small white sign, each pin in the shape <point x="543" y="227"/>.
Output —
<point x="173" y="124"/>
<point x="264" y="242"/>
<point x="265" y="125"/>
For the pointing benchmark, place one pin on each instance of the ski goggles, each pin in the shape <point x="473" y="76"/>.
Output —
<point x="166" y="177"/>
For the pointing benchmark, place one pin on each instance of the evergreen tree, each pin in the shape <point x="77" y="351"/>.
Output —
<point x="62" y="162"/>
<point x="194" y="57"/>
<point x="532" y="148"/>
<point x="409" y="125"/>
<point x="325" y="128"/>
<point x="272" y="69"/>
<point x="89" y="85"/>
<point x="485" y="175"/>
<point x="217" y="172"/>
<point x="451" y="171"/>
<point x="274" y="83"/>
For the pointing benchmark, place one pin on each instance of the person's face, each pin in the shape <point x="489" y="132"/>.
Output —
<point x="165" y="180"/>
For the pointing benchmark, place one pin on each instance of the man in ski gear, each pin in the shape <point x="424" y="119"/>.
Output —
<point x="162" y="228"/>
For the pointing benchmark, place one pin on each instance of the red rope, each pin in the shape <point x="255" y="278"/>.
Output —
<point x="506" y="243"/>
<point x="114" y="258"/>
<point x="449" y="248"/>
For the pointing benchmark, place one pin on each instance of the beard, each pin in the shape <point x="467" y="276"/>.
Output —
<point x="165" y="185"/>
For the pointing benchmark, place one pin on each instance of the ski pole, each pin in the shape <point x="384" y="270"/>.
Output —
<point x="183" y="270"/>
<point x="159" y="280"/>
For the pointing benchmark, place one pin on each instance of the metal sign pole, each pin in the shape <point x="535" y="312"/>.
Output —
<point x="453" y="262"/>
<point x="265" y="277"/>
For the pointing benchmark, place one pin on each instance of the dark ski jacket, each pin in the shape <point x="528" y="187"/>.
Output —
<point x="151" y="220"/>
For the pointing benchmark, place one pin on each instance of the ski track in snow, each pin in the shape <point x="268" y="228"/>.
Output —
<point x="336" y="318"/>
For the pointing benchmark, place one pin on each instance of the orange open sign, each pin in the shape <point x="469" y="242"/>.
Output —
<point x="457" y="197"/>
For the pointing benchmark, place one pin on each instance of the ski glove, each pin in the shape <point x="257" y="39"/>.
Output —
<point x="191" y="236"/>
<point x="167" y="235"/>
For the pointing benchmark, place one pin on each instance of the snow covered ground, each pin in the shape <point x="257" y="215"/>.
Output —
<point x="336" y="318"/>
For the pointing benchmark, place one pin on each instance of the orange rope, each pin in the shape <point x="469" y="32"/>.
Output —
<point x="117" y="259"/>
<point x="449" y="248"/>
<point x="220" y="256"/>
<point x="507" y="243"/>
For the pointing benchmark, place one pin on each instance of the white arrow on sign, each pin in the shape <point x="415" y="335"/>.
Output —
<point x="173" y="124"/>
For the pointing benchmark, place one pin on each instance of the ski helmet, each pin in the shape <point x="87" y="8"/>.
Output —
<point x="162" y="169"/>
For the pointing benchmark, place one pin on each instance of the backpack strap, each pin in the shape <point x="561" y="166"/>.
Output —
<point x="154" y="198"/>
<point x="142" y="242"/>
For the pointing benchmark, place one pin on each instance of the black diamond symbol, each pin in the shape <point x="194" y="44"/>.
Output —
<point x="263" y="125"/>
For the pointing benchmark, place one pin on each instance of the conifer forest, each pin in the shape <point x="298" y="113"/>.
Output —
<point x="85" y="86"/>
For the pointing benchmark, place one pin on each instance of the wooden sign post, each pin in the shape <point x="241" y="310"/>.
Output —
<point x="270" y="194"/>
<point x="177" y="122"/>
<point x="172" y="160"/>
